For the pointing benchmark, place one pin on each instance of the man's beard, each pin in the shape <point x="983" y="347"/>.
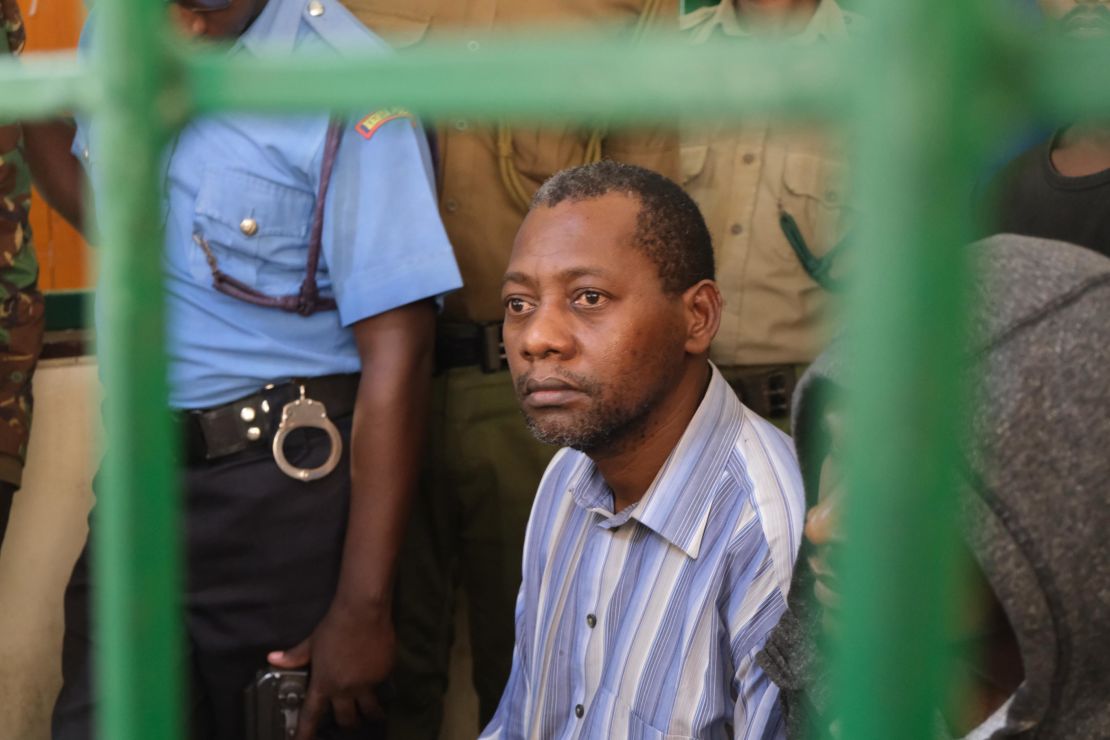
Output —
<point x="608" y="425"/>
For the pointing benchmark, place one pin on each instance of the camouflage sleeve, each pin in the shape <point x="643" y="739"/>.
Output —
<point x="21" y="304"/>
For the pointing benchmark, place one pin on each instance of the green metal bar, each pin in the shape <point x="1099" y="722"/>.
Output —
<point x="44" y="85"/>
<point x="919" y="138"/>
<point x="541" y="79"/>
<point x="924" y="96"/>
<point x="651" y="81"/>
<point x="136" y="543"/>
<point x="1067" y="77"/>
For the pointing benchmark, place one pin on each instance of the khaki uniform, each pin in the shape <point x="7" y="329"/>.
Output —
<point x="21" y="303"/>
<point x="745" y="179"/>
<point x="483" y="465"/>
<point x="478" y="209"/>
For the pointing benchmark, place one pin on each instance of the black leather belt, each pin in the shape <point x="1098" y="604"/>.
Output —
<point x="251" y="421"/>
<point x="765" y="389"/>
<point x="468" y="345"/>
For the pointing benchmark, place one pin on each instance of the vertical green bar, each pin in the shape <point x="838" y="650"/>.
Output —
<point x="136" y="558"/>
<point x="916" y="144"/>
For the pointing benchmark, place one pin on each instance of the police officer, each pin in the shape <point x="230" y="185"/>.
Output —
<point x="773" y="197"/>
<point x="281" y="570"/>
<point x="483" y="466"/>
<point x="21" y="304"/>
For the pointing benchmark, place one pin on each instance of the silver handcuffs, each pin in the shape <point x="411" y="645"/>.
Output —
<point x="305" y="413"/>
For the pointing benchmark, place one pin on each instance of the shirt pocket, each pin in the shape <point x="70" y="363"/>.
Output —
<point x="813" y="193"/>
<point x="257" y="230"/>
<point x="399" y="27"/>
<point x="624" y="722"/>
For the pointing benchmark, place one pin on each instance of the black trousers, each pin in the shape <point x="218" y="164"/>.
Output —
<point x="262" y="554"/>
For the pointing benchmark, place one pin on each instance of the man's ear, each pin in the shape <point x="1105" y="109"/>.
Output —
<point x="702" y="305"/>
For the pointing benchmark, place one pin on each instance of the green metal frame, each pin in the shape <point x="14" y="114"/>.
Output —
<point x="921" y="93"/>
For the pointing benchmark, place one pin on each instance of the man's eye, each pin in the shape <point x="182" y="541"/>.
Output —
<point x="590" y="298"/>
<point x="516" y="305"/>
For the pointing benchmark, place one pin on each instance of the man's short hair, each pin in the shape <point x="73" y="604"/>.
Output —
<point x="669" y="228"/>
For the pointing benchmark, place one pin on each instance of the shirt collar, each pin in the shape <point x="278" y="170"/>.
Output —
<point x="828" y="22"/>
<point x="275" y="29"/>
<point x="677" y="504"/>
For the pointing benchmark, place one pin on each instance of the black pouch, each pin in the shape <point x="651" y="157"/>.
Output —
<point x="273" y="703"/>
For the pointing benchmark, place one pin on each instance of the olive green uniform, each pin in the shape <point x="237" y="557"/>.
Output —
<point x="21" y="303"/>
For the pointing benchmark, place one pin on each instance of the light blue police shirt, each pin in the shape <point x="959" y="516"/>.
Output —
<point x="383" y="242"/>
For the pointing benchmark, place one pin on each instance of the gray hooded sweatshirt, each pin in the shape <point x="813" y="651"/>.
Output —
<point x="1036" y="502"/>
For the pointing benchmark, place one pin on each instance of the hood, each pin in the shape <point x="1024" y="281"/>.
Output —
<point x="1038" y="497"/>
<point x="1036" y="503"/>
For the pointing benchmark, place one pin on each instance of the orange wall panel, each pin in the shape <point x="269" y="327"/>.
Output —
<point x="63" y="255"/>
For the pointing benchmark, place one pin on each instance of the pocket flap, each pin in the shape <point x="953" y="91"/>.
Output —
<point x="229" y="197"/>
<point x="813" y="176"/>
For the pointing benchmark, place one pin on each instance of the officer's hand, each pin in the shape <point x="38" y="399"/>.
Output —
<point x="351" y="652"/>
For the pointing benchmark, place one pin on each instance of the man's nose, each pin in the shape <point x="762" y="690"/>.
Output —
<point x="822" y="523"/>
<point x="547" y="333"/>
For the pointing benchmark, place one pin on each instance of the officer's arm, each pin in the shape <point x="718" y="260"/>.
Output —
<point x="351" y="650"/>
<point x="396" y="349"/>
<point x="58" y="175"/>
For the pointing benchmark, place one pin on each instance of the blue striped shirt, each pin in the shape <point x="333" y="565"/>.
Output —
<point x="646" y="623"/>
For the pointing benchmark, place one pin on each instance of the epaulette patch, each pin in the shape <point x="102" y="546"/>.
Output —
<point x="367" y="126"/>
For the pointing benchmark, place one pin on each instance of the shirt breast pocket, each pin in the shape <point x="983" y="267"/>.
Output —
<point x="813" y="194"/>
<point x="256" y="229"/>
<point x="623" y="722"/>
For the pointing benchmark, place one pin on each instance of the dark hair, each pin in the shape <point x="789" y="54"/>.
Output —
<point x="669" y="228"/>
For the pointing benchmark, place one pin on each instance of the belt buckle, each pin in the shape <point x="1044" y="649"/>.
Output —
<point x="305" y="413"/>
<point x="493" y="355"/>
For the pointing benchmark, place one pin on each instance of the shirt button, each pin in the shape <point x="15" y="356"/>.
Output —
<point x="749" y="158"/>
<point x="736" y="229"/>
<point x="579" y="710"/>
<point x="315" y="8"/>
<point x="248" y="226"/>
<point x="461" y="125"/>
<point x="85" y="155"/>
<point x="832" y="196"/>
<point x="473" y="45"/>
<point x="451" y="205"/>
<point x="591" y="621"/>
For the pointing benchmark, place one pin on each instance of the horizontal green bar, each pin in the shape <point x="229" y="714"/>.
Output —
<point x="552" y="79"/>
<point x="541" y="80"/>
<point x="43" y="85"/>
<point x="1070" y="78"/>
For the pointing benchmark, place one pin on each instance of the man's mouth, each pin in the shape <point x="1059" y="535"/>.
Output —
<point x="549" y="392"/>
<point x="1087" y="23"/>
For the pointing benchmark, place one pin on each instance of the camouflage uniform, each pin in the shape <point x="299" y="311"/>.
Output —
<point x="21" y="304"/>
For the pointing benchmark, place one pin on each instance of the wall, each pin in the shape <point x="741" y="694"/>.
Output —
<point x="45" y="535"/>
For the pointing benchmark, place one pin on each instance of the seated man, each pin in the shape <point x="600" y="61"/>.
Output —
<point x="1036" y="621"/>
<point x="660" y="545"/>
